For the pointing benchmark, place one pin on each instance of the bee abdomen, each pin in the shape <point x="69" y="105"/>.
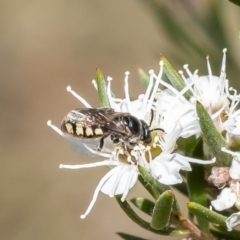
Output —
<point x="79" y="130"/>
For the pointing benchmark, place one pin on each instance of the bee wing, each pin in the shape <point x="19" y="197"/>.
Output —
<point x="106" y="118"/>
<point x="90" y="116"/>
<point x="115" y="123"/>
<point x="86" y="122"/>
<point x="77" y="145"/>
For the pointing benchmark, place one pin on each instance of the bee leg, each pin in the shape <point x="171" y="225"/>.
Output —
<point x="101" y="143"/>
<point x="124" y="148"/>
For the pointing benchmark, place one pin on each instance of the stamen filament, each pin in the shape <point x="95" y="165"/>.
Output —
<point x="90" y="165"/>
<point x="82" y="100"/>
<point x="56" y="129"/>
<point x="97" y="190"/>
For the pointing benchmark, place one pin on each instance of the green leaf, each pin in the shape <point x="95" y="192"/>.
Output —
<point x="213" y="138"/>
<point x="102" y="89"/>
<point x="206" y="214"/>
<point x="237" y="2"/>
<point x="129" y="237"/>
<point x="196" y="178"/>
<point x="197" y="191"/>
<point x="144" y="205"/>
<point x="144" y="78"/>
<point x="174" y="77"/>
<point x="162" y="210"/>
<point x="155" y="188"/>
<point x="144" y="224"/>
<point x="153" y="191"/>
<point x="224" y="234"/>
<point x="190" y="145"/>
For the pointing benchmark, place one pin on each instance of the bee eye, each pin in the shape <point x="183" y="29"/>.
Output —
<point x="126" y="121"/>
<point x="146" y="132"/>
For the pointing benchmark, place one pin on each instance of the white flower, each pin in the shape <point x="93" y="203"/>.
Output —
<point x="172" y="111"/>
<point x="166" y="166"/>
<point x="233" y="221"/>
<point x="225" y="199"/>
<point x="123" y="176"/>
<point x="230" y="196"/>
<point x="119" y="180"/>
<point x="209" y="90"/>
<point x="232" y="124"/>
<point x="142" y="106"/>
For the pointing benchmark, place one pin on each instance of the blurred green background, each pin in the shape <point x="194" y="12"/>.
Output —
<point x="46" y="46"/>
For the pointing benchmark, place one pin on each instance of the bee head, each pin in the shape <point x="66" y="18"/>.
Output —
<point x="146" y="133"/>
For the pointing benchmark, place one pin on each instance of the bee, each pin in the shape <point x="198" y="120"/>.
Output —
<point x="91" y="123"/>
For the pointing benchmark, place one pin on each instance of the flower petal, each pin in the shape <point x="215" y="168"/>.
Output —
<point x="123" y="179"/>
<point x="165" y="168"/>
<point x="225" y="199"/>
<point x="233" y="221"/>
<point x="234" y="171"/>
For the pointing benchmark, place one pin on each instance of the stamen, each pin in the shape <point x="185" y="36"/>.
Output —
<point x="227" y="87"/>
<point x="185" y="89"/>
<point x="158" y="79"/>
<point x="149" y="154"/>
<point x="148" y="92"/>
<point x="172" y="89"/>
<point x="82" y="100"/>
<point x="209" y="67"/>
<point x="193" y="77"/>
<point x="90" y="165"/>
<point x="230" y="152"/>
<point x="126" y="90"/>
<point x="195" y="73"/>
<point x="234" y="98"/>
<point x="204" y="162"/>
<point x="97" y="190"/>
<point x="109" y="93"/>
<point x="94" y="84"/>
<point x="185" y="66"/>
<point x="181" y="74"/>
<point x="223" y="68"/>
<point x="218" y="113"/>
<point x="56" y="129"/>
<point x="211" y="83"/>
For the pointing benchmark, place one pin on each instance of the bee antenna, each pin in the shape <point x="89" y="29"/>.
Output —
<point x="156" y="129"/>
<point x="152" y="113"/>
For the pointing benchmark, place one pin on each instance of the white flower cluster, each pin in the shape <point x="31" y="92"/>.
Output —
<point x="230" y="195"/>
<point x="177" y="116"/>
